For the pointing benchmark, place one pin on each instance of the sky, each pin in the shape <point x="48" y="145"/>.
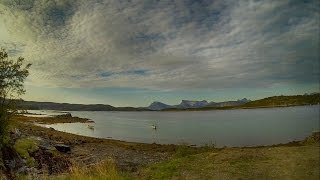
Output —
<point x="134" y="52"/>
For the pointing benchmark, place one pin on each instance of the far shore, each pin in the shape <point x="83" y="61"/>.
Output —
<point x="269" y="102"/>
<point x="181" y="110"/>
<point x="237" y="107"/>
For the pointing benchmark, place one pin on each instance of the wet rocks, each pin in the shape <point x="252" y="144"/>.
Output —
<point x="51" y="162"/>
<point x="11" y="159"/>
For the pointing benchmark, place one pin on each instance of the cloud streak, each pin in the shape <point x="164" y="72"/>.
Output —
<point x="164" y="44"/>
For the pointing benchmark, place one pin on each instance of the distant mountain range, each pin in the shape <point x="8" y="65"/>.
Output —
<point x="187" y="104"/>
<point x="275" y="101"/>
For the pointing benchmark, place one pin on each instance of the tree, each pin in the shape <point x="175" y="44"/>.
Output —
<point x="12" y="76"/>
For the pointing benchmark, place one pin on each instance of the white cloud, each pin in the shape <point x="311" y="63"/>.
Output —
<point x="178" y="44"/>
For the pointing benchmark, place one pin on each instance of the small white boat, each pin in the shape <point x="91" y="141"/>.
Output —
<point x="91" y="127"/>
<point x="154" y="127"/>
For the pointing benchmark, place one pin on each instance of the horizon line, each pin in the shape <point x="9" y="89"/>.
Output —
<point x="313" y="93"/>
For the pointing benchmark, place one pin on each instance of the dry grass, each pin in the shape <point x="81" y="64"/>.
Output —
<point x="102" y="170"/>
<point x="105" y="170"/>
<point x="2" y="176"/>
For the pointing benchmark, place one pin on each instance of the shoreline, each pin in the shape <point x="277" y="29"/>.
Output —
<point x="29" y="128"/>
<point x="49" y="122"/>
<point x="29" y="122"/>
<point x="234" y="108"/>
<point x="63" y="118"/>
<point x="141" y="160"/>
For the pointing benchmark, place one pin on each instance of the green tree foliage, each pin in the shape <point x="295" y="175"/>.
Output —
<point x="12" y="76"/>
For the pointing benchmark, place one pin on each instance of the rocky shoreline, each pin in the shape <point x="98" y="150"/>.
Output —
<point x="63" y="118"/>
<point x="57" y="151"/>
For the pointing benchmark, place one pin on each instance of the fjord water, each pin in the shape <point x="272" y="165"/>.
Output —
<point x="241" y="127"/>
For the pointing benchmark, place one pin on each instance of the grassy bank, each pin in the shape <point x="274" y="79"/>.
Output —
<point x="300" y="162"/>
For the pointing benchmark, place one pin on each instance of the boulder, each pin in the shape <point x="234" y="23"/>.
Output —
<point x="62" y="148"/>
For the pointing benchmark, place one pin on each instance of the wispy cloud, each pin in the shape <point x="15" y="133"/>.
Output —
<point x="196" y="44"/>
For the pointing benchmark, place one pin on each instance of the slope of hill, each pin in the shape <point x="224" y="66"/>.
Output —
<point x="285" y="101"/>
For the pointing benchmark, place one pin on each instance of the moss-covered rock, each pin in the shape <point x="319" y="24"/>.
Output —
<point x="26" y="146"/>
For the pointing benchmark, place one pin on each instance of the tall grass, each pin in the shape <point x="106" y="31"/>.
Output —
<point x="105" y="170"/>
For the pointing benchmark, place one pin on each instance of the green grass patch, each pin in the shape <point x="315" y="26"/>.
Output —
<point x="184" y="150"/>
<point x="26" y="146"/>
<point x="164" y="170"/>
<point x="185" y="158"/>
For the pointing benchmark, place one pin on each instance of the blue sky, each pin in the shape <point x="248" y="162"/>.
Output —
<point x="130" y="53"/>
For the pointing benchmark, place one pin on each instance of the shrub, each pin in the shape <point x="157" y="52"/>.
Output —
<point x="12" y="76"/>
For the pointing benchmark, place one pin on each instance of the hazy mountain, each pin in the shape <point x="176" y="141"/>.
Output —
<point x="244" y="100"/>
<point x="185" y="104"/>
<point x="192" y="104"/>
<point x="158" y="106"/>
<point x="228" y="103"/>
<point x="188" y="104"/>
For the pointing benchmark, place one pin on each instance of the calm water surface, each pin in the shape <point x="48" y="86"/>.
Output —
<point x="245" y="127"/>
